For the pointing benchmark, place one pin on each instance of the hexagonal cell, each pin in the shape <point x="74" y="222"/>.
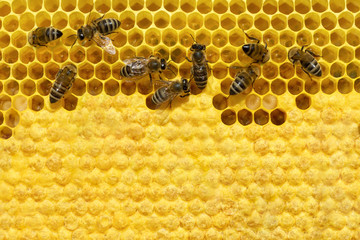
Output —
<point x="12" y="118"/>
<point x="43" y="19"/>
<point x="94" y="54"/>
<point x="153" y="5"/>
<point x="270" y="101"/>
<point x="187" y="6"/>
<point x="4" y="71"/>
<point x="302" y="6"/>
<point x="178" y="54"/>
<point x="18" y="6"/>
<point x="262" y="21"/>
<point x="60" y="54"/>
<point x="220" y="6"/>
<point x="1" y="86"/>
<point x="144" y="87"/>
<point x="128" y="87"/>
<point x="11" y="23"/>
<point x="161" y="19"/>
<point x="357" y="20"/>
<point x="278" y="54"/>
<point x="185" y="38"/>
<point x="270" y="6"/>
<point x="245" y="21"/>
<point x="337" y="37"/>
<point x="219" y="71"/>
<point x="112" y="87"/>
<point x="27" y="21"/>
<point x="261" y="86"/>
<point x="169" y="37"/>
<point x="353" y="70"/>
<point x="287" y="38"/>
<point x="119" y="39"/>
<point x="328" y="20"/>
<point x="345" y="85"/>
<point x="86" y="71"/>
<point x="60" y="20"/>
<point x="237" y="7"/>
<point x="79" y="87"/>
<point x="295" y="22"/>
<point x="144" y="19"/>
<point x="127" y="52"/>
<point x="152" y="37"/>
<point x="20" y="103"/>
<point x="236" y="38"/>
<point x="178" y="20"/>
<point x="278" y="22"/>
<point x="77" y="54"/>
<point x="36" y="71"/>
<point x="5" y="132"/>
<point x="357" y="85"/>
<point x="19" y="39"/>
<point x="278" y="117"/>
<point x="4" y="39"/>
<point x="320" y="5"/>
<point x="353" y="37"/>
<point x="337" y="69"/>
<point x="36" y="103"/>
<point x="261" y="117"/>
<point x="51" y="70"/>
<point x="94" y="87"/>
<point x="353" y="5"/>
<point x="228" y="21"/>
<point x="219" y="38"/>
<point x="102" y="71"/>
<point x="312" y="87"/>
<point x="295" y="86"/>
<point x="127" y="19"/>
<point x="337" y="5"/>
<point x="346" y="20"/>
<point x="195" y="20"/>
<point x="253" y="6"/>
<point x="5" y="102"/>
<point x="11" y="87"/>
<point x="43" y="55"/>
<point x="44" y="87"/>
<point x="76" y="20"/>
<point x="346" y="54"/>
<point x="203" y="37"/>
<point x="312" y="21"/>
<point x="270" y="37"/>
<point x="228" y="54"/>
<point x="252" y="101"/>
<point x="329" y="54"/>
<point x="27" y="54"/>
<point x="70" y="102"/>
<point x="321" y="37"/>
<point x="68" y="5"/>
<point x="228" y="117"/>
<point x="69" y="38"/>
<point x="328" y="86"/>
<point x="135" y="37"/>
<point x="303" y="101"/>
<point x="219" y="102"/>
<point x="184" y="69"/>
<point x="212" y="54"/>
<point x="278" y="87"/>
<point x="28" y="87"/>
<point x="110" y="58"/>
<point x="270" y="70"/>
<point x="51" y="5"/>
<point x="286" y="6"/>
<point x="19" y="71"/>
<point x="204" y="6"/>
<point x="171" y="5"/>
<point x="245" y="117"/>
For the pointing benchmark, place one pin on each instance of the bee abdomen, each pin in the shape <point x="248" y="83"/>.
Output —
<point x="200" y="76"/>
<point x="159" y="96"/>
<point x="125" y="71"/>
<point x="239" y="85"/>
<point x="57" y="92"/>
<point x="52" y="34"/>
<point x="314" y="68"/>
<point x="108" y="25"/>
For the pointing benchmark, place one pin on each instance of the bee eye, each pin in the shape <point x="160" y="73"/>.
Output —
<point x="163" y="64"/>
<point x="80" y="34"/>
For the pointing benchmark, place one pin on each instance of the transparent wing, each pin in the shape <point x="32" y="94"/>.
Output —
<point x="104" y="42"/>
<point x="135" y="59"/>
<point x="162" y="83"/>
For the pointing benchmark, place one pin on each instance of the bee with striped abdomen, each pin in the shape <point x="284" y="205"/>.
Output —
<point x="200" y="67"/>
<point x="43" y="35"/>
<point x="243" y="79"/>
<point x="256" y="51"/>
<point x="169" y="90"/>
<point x="63" y="82"/>
<point x="308" y="63"/>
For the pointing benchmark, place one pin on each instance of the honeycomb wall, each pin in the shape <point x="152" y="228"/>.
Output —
<point x="278" y="162"/>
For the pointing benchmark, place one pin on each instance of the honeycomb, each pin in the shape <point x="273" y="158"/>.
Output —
<point x="278" y="162"/>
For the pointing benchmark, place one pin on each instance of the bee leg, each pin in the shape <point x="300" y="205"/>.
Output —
<point x="151" y="79"/>
<point x="307" y="73"/>
<point x="315" y="55"/>
<point x="251" y="38"/>
<point x="188" y="59"/>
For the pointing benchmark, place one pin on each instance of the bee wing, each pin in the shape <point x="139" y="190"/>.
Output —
<point x="161" y="83"/>
<point x="104" y="42"/>
<point x="135" y="59"/>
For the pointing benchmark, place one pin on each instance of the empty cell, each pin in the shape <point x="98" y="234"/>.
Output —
<point x="261" y="117"/>
<point x="44" y="87"/>
<point x="28" y="87"/>
<point x="353" y="5"/>
<point x="12" y="118"/>
<point x="346" y="20"/>
<point x="135" y="37"/>
<point x="178" y="20"/>
<point x="103" y="6"/>
<point x="220" y="6"/>
<point x="353" y="69"/>
<point x="261" y="86"/>
<point x="51" y="5"/>
<point x="185" y="38"/>
<point x="346" y="54"/>
<point x="137" y="5"/>
<point x="302" y="6"/>
<point x="269" y="101"/>
<point x="109" y="58"/>
<point x="252" y="101"/>
<point x="36" y="71"/>
<point x="337" y="69"/>
<point x="119" y="38"/>
<point x="228" y="117"/>
<point x="127" y="19"/>
<point x="153" y="37"/>
<point x="20" y="103"/>
<point x="270" y="6"/>
<point x="312" y="87"/>
<point x="203" y="37"/>
<point x="178" y="54"/>
<point x="337" y="5"/>
<point x="237" y="7"/>
<point x="27" y="21"/>
<point x="79" y="87"/>
<point x="312" y="21"/>
<point x="321" y="37"/>
<point x="5" y="102"/>
<point x="188" y="5"/>
<point x="94" y="87"/>
<point x="127" y="52"/>
<point x="212" y="21"/>
<point x="19" y="39"/>
<point x="43" y="19"/>
<point x="94" y="54"/>
<point x="219" y="71"/>
<point x="76" y="20"/>
<point x="5" y="9"/>
<point x="279" y="54"/>
<point x="10" y="55"/>
<point x="144" y="51"/>
<point x="11" y="87"/>
<point x="320" y="5"/>
<point x="220" y="38"/>
<point x="36" y="103"/>
<point x="153" y="5"/>
<point x="11" y="23"/>
<point x="328" y="86"/>
<point x="1" y="86"/>
<point x="102" y="71"/>
<point x="295" y="22"/>
<point x="278" y="117"/>
<point x="357" y="20"/>
<point x="86" y="6"/>
<point x="244" y="117"/>
<point x="328" y="20"/>
<point x="86" y="71"/>
<point x="144" y="87"/>
<point x="345" y="85"/>
<point x="287" y="70"/>
<point x="169" y="37"/>
<point x="329" y="54"/>
<point x="18" y="6"/>
<point x="262" y="21"/>
<point x="270" y="70"/>
<point x="112" y="87"/>
<point x="195" y="20"/>
<point x="353" y="37"/>
<point x="286" y="6"/>
<point x="60" y="54"/>
<point x="245" y="21"/>
<point x="70" y="102"/>
<point x="228" y="54"/>
<point x="161" y="19"/>
<point x="4" y="39"/>
<point x="4" y="71"/>
<point x="171" y="5"/>
<point x="228" y="21"/>
<point x="77" y="54"/>
<point x="303" y="101"/>
<point x="144" y="19"/>
<point x="236" y="38"/>
<point x="278" y="22"/>
<point x="5" y="132"/>
<point x="295" y="86"/>
<point x="270" y="37"/>
<point x="212" y="54"/>
<point x="225" y="85"/>
<point x="278" y="86"/>
<point x="219" y="102"/>
<point x="287" y="38"/>
<point x="43" y="55"/>
<point x="357" y="85"/>
<point x="204" y="6"/>
<point x="128" y="87"/>
<point x="51" y="69"/>
<point x="68" y="5"/>
<point x="1" y="118"/>
<point x="254" y="6"/>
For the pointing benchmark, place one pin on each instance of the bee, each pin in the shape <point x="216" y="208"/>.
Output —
<point x="97" y="30"/>
<point x="243" y="79"/>
<point x="42" y="35"/>
<point x="200" y="67"/>
<point x="256" y="51"/>
<point x="308" y="63"/>
<point x="63" y="82"/>
<point x="169" y="90"/>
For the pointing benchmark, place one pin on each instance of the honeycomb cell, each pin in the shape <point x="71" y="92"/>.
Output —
<point x="94" y="87"/>
<point x="295" y="22"/>
<point x="219" y="71"/>
<point x="102" y="71"/>
<point x="270" y="70"/>
<point x="77" y="54"/>
<point x="11" y="87"/>
<point x="328" y="20"/>
<point x="86" y="71"/>
<point x="4" y="39"/>
<point x="261" y="117"/>
<point x="5" y="102"/>
<point x="144" y="51"/>
<point x="44" y="87"/>
<point x="119" y="39"/>
<point x="279" y="54"/>
<point x="161" y="19"/>
<point x="195" y="20"/>
<point x="295" y="86"/>
<point x="271" y="37"/>
<point x="27" y="55"/>
<point x="252" y="101"/>
<point x="303" y="101"/>
<point x="36" y="71"/>
<point x="20" y="103"/>
<point x="51" y="70"/>
<point x="328" y="86"/>
<point x="70" y="102"/>
<point x="144" y="19"/>
<point x="353" y="70"/>
<point x="1" y="118"/>
<point x="128" y="88"/>
<point x="171" y="5"/>
<point x="261" y="86"/>
<point x="178" y="20"/>
<point x="149" y="103"/>
<point x="269" y="101"/>
<point x="287" y="38"/>
<point x="112" y="87"/>
<point x="228" y="54"/>
<point x="311" y="86"/>
<point x="261" y="21"/>
<point x="337" y="37"/>
<point x="68" y="5"/>
<point x="278" y="87"/>
<point x="86" y="6"/>
<point x="312" y="21"/>
<point x="27" y="21"/>
<point x="337" y="5"/>
<point x="103" y="6"/>
<point x="337" y="69"/>
<point x="12" y="118"/>
<point x="137" y="5"/>
<point x="60" y="20"/>
<point x="43" y="19"/>
<point x="43" y="55"/>
<point x="219" y="102"/>
<point x="1" y="86"/>
<point x="321" y="37"/>
<point x="184" y="70"/>
<point x="127" y="19"/>
<point x="18" y="39"/>
<point x="244" y="117"/>
<point x="320" y="5"/>
<point x="5" y="8"/>
<point x="228" y="21"/>
<point x="5" y="132"/>
<point x="36" y="103"/>
<point x="353" y="37"/>
<point x="135" y="37"/>
<point x="27" y="87"/>
<point x="345" y="86"/>
<point x="19" y="6"/>
<point x="270" y="6"/>
<point x="212" y="54"/>
<point x="153" y="5"/>
<point x="329" y="54"/>
<point x="346" y="54"/>
<point x="126" y="53"/>
<point x="346" y="20"/>
<point x="4" y="71"/>
<point x="236" y="39"/>
<point x="185" y="38"/>
<point x="178" y="54"/>
<point x="219" y="38"/>
<point x="228" y="117"/>
<point x="353" y="6"/>
<point x="79" y="87"/>
<point x="302" y="6"/>
<point x="152" y="37"/>
<point x="245" y="21"/>
<point x="188" y="6"/>
<point x="10" y="55"/>
<point x="51" y="5"/>
<point x="253" y="6"/>
<point x="94" y="54"/>
<point x="278" y="117"/>
<point x="11" y="23"/>
<point x="357" y="85"/>
<point x="169" y="37"/>
<point x="76" y="20"/>
<point x="60" y="54"/>
<point x="109" y="58"/>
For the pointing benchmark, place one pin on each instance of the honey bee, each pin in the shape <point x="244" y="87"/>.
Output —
<point x="63" y="82"/>
<point x="308" y="63"/>
<point x="97" y="30"/>
<point x="42" y="35"/>
<point x="256" y="51"/>
<point x="200" y="67"/>
<point x="169" y="90"/>
<point x="243" y="79"/>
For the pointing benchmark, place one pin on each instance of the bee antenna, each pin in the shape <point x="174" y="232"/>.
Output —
<point x="192" y="37"/>
<point x="73" y="43"/>
<point x="171" y="70"/>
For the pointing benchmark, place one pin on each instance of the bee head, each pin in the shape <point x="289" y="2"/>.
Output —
<point x="163" y="64"/>
<point x="80" y="34"/>
<point x="31" y="38"/>
<point x="293" y="54"/>
<point x="197" y="47"/>
<point x="185" y="85"/>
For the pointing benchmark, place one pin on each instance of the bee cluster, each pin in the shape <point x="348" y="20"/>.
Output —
<point x="166" y="90"/>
